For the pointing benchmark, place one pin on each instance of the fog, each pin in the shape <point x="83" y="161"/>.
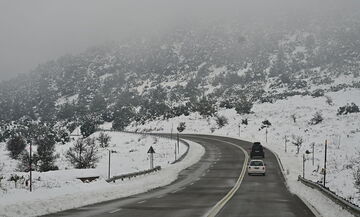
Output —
<point x="33" y="32"/>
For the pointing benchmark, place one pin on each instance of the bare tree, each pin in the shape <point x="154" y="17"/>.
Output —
<point x="83" y="154"/>
<point x="297" y="141"/>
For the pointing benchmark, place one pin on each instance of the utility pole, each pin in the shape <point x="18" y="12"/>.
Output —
<point x="325" y="163"/>
<point x="304" y="166"/>
<point x="313" y="153"/>
<point x="30" y="166"/>
<point x="109" y="164"/>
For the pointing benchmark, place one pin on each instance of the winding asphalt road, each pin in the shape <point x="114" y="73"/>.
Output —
<point x="212" y="187"/>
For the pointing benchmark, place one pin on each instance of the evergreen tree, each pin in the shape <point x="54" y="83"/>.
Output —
<point x="15" y="146"/>
<point x="46" y="152"/>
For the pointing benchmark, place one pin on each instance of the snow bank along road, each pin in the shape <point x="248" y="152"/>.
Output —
<point x="215" y="186"/>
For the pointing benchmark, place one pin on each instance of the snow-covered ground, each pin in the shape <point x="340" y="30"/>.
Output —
<point x="341" y="132"/>
<point x="59" y="190"/>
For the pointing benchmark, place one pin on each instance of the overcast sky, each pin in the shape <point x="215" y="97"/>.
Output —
<point x="35" y="31"/>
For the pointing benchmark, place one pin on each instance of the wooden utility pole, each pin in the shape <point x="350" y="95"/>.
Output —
<point x="325" y="163"/>
<point x="30" y="165"/>
<point x="109" y="164"/>
<point x="304" y="166"/>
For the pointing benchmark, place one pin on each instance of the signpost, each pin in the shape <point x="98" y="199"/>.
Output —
<point x="110" y="151"/>
<point x="266" y="132"/>
<point x="178" y="143"/>
<point x="239" y="129"/>
<point x="151" y="151"/>
<point x="175" y="151"/>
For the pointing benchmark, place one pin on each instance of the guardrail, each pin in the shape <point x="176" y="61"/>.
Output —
<point x="158" y="135"/>
<point x="132" y="175"/>
<point x="352" y="208"/>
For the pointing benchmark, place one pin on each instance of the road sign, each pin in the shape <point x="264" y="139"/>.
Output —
<point x="151" y="150"/>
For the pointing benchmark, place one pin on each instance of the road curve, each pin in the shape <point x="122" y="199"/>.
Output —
<point x="201" y="186"/>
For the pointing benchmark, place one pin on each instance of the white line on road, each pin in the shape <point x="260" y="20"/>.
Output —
<point x="143" y="201"/>
<point x="114" y="211"/>
<point x="219" y="205"/>
<point x="178" y="190"/>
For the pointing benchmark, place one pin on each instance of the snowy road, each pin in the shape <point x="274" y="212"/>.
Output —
<point x="201" y="186"/>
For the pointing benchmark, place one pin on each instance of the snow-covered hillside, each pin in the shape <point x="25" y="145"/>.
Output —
<point x="341" y="131"/>
<point x="59" y="190"/>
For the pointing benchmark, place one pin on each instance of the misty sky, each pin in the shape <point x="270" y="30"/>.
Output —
<point x="35" y="31"/>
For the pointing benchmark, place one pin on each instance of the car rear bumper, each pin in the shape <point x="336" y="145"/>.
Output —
<point x="256" y="171"/>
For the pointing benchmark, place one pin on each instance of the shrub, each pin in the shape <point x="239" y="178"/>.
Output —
<point x="83" y="154"/>
<point x="347" y="109"/>
<point x="104" y="140"/>
<point x="244" y="121"/>
<point x="181" y="127"/>
<point x="15" y="146"/>
<point x="243" y="106"/>
<point x="329" y="101"/>
<point x="14" y="178"/>
<point x="317" y="118"/>
<point x="318" y="93"/>
<point x="266" y="123"/>
<point x="221" y="121"/>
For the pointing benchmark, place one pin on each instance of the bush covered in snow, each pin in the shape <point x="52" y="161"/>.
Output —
<point x="221" y="120"/>
<point x="347" y="109"/>
<point x="317" y="118"/>
<point x="243" y="106"/>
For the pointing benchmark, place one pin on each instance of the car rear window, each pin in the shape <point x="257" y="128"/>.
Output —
<point x="256" y="163"/>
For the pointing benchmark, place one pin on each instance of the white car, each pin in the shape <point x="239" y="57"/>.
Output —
<point x="257" y="167"/>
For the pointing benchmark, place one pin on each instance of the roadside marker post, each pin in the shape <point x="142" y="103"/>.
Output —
<point x="151" y="151"/>
<point x="178" y="143"/>
<point x="175" y="151"/>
